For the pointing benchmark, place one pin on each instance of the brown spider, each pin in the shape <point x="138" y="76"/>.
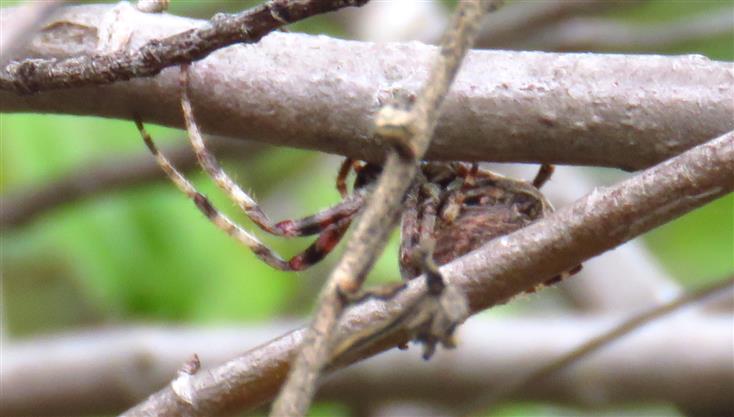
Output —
<point x="454" y="204"/>
<point x="452" y="208"/>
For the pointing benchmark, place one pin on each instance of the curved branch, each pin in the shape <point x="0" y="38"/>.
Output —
<point x="488" y="276"/>
<point x="320" y="93"/>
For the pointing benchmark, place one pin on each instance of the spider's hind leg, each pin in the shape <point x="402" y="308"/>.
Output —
<point x="437" y="314"/>
<point x="330" y="224"/>
<point x="210" y="165"/>
<point x="544" y="174"/>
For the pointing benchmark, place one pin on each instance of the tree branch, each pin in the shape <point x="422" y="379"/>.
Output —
<point x="597" y="34"/>
<point x="493" y="274"/>
<point x="20" y="207"/>
<point x="114" y="368"/>
<point x="607" y="110"/>
<point x="32" y="76"/>
<point x="626" y="279"/>
<point x="595" y="343"/>
<point x="522" y="19"/>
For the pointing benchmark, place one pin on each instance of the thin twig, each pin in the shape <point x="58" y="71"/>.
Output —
<point x="222" y="30"/>
<point x="525" y="18"/>
<point x="597" y="34"/>
<point x="379" y="217"/>
<point x="23" y="206"/>
<point x="502" y="268"/>
<point x="594" y="344"/>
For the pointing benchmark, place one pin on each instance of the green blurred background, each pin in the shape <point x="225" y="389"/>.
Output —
<point x="146" y="253"/>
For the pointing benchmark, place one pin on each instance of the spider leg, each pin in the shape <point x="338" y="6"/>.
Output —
<point x="210" y="165"/>
<point x="457" y="190"/>
<point x="431" y="198"/>
<point x="325" y="243"/>
<point x="409" y="237"/>
<point x="338" y="218"/>
<point x="341" y="178"/>
<point x="206" y="207"/>
<point x="544" y="173"/>
<point x="432" y="318"/>
<point x="445" y="307"/>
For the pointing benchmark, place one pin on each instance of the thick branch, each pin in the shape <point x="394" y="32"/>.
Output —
<point x="320" y="93"/>
<point x="500" y="269"/>
<point x="114" y="368"/>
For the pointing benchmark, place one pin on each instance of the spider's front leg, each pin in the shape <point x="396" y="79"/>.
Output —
<point x="443" y="308"/>
<point x="544" y="174"/>
<point x="288" y="228"/>
<point x="330" y="224"/>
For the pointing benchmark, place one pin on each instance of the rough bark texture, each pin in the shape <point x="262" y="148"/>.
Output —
<point x="320" y="93"/>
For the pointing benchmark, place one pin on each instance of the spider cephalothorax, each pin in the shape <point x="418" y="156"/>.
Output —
<point x="461" y="207"/>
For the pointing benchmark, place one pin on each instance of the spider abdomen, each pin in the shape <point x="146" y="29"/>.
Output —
<point x="472" y="228"/>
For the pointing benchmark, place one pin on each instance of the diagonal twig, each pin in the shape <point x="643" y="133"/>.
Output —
<point x="600" y="34"/>
<point x="594" y="344"/>
<point x="380" y="215"/>
<point x="522" y="19"/>
<point x="222" y="30"/>
<point x="491" y="275"/>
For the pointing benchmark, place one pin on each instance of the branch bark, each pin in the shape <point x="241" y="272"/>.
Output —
<point x="21" y="207"/>
<point x="32" y="76"/>
<point x="607" y="110"/>
<point x="493" y="274"/>
<point x="113" y="368"/>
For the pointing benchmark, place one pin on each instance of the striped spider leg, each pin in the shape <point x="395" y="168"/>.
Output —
<point x="330" y="224"/>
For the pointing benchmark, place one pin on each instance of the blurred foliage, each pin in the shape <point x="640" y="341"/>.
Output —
<point x="147" y="253"/>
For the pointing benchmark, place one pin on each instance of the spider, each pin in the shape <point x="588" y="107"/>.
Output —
<point x="451" y="209"/>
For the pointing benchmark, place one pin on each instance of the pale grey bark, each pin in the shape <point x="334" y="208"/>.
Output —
<point x="114" y="368"/>
<point x="321" y="93"/>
